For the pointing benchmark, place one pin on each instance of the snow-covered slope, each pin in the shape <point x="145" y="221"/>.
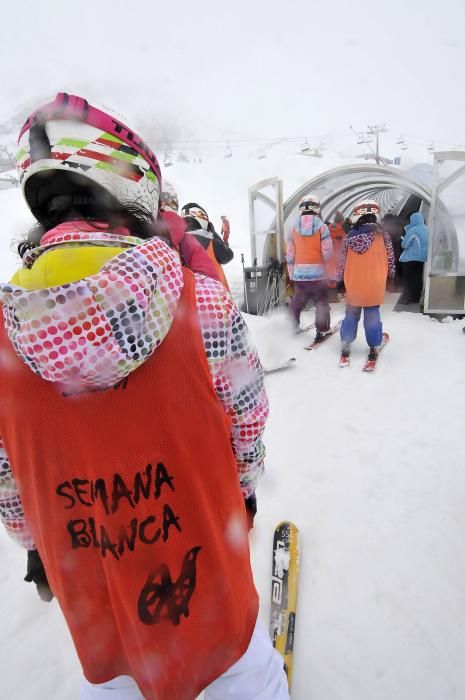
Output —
<point x="371" y="469"/>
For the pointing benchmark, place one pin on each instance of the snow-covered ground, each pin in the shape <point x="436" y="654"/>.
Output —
<point x="370" y="467"/>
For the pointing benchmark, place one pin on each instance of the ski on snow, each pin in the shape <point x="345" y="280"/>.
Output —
<point x="282" y="365"/>
<point x="370" y="365"/>
<point x="305" y="329"/>
<point x="284" y="584"/>
<point x="332" y="331"/>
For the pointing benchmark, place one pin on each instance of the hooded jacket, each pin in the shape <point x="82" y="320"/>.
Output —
<point x="415" y="241"/>
<point x="192" y="253"/>
<point x="91" y="311"/>
<point x="367" y="260"/>
<point x="309" y="249"/>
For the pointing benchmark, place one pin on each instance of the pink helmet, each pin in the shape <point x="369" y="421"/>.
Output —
<point x="68" y="146"/>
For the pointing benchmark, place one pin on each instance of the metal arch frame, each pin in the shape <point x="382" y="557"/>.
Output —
<point x="440" y="157"/>
<point x="381" y="186"/>
<point x="375" y="179"/>
<point x="392" y="179"/>
<point x="341" y="187"/>
<point x="277" y="227"/>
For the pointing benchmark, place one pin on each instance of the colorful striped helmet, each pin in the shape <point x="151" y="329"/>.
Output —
<point x="310" y="203"/>
<point x="367" y="206"/>
<point x="68" y="146"/>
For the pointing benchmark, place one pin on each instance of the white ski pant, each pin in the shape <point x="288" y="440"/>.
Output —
<point x="258" y="675"/>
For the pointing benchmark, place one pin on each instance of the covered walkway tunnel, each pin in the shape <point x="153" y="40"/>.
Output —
<point x="438" y="192"/>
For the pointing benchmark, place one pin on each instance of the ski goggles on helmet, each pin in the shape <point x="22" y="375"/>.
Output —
<point x="365" y="208"/>
<point x="310" y="205"/>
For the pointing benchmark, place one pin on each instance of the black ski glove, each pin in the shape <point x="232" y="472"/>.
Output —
<point x="36" y="573"/>
<point x="223" y="253"/>
<point x="251" y="509"/>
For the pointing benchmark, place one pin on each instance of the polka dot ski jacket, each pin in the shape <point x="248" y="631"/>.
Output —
<point x="89" y="306"/>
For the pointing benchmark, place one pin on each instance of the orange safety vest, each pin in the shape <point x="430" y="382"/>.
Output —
<point x="136" y="510"/>
<point x="307" y="249"/>
<point x="219" y="266"/>
<point x="365" y="274"/>
<point x="337" y="232"/>
<point x="337" y="236"/>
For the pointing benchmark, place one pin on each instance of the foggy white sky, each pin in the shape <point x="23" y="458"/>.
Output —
<point x="256" y="68"/>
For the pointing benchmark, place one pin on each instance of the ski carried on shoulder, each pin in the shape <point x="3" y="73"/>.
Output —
<point x="316" y="344"/>
<point x="284" y="584"/>
<point x="282" y="365"/>
<point x="370" y="365"/>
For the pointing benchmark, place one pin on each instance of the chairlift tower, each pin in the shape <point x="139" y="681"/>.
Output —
<point x="365" y="139"/>
<point x="376" y="130"/>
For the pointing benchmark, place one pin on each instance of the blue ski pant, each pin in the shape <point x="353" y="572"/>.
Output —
<point x="371" y="322"/>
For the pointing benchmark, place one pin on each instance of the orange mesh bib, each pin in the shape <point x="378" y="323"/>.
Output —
<point x="365" y="275"/>
<point x="308" y="249"/>
<point x="133" y="498"/>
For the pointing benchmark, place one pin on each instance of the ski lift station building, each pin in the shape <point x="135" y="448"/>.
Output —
<point x="438" y="192"/>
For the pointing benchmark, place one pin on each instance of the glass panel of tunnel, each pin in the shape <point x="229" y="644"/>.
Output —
<point x="445" y="284"/>
<point x="265" y="213"/>
<point x="263" y="282"/>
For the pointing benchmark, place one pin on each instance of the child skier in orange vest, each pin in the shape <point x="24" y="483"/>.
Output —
<point x="308" y="250"/>
<point x="134" y="518"/>
<point x="367" y="259"/>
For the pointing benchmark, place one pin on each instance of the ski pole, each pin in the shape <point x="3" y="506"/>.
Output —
<point x="245" y="283"/>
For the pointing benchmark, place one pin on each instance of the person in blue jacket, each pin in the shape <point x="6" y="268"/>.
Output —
<point x="415" y="252"/>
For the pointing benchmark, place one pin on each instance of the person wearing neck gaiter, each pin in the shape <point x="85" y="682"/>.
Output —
<point x="201" y="228"/>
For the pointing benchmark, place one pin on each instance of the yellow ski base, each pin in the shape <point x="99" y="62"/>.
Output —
<point x="284" y="585"/>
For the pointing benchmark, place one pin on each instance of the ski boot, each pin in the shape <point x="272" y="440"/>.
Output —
<point x="370" y="364"/>
<point x="320" y="336"/>
<point x="345" y="356"/>
<point x="373" y="355"/>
